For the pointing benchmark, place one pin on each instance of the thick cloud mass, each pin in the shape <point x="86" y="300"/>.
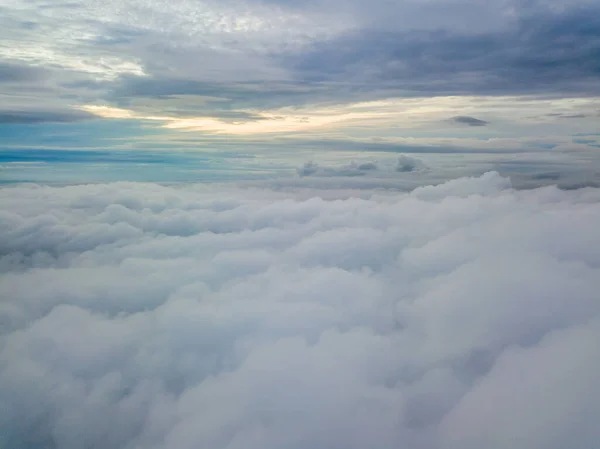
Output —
<point x="458" y="316"/>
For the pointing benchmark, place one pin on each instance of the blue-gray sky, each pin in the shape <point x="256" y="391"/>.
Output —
<point x="289" y="82"/>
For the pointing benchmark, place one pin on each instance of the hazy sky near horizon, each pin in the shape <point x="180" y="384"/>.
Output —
<point x="263" y="85"/>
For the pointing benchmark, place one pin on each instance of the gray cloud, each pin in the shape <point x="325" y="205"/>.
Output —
<point x="409" y="164"/>
<point x="308" y="169"/>
<point x="146" y="316"/>
<point x="466" y="120"/>
<point x="34" y="94"/>
<point x="41" y="116"/>
<point x="378" y="171"/>
<point x="22" y="73"/>
<point x="567" y="116"/>
<point x="227" y="96"/>
<point x="367" y="166"/>
<point x="545" y="53"/>
<point x="379" y="50"/>
<point x="353" y="169"/>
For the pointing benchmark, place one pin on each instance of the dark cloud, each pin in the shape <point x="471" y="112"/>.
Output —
<point x="351" y="170"/>
<point x="546" y="53"/>
<point x="543" y="54"/>
<point x="567" y="116"/>
<point x="404" y="164"/>
<point x="409" y="164"/>
<point x="30" y="93"/>
<point x="225" y="95"/>
<point x="466" y="120"/>
<point x="21" y="73"/>
<point x="552" y="176"/>
<point x="30" y="117"/>
<point x="308" y="168"/>
<point x="367" y="166"/>
<point x="532" y="51"/>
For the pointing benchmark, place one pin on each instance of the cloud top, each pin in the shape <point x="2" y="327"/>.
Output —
<point x="463" y="315"/>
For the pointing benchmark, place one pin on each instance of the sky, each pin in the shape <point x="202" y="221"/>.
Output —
<point x="261" y="87"/>
<point x="319" y="224"/>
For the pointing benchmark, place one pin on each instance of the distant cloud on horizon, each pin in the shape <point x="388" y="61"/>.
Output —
<point x="471" y="121"/>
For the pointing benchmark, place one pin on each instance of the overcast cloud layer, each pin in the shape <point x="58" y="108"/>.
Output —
<point x="279" y="62"/>
<point x="277" y="79"/>
<point x="461" y="316"/>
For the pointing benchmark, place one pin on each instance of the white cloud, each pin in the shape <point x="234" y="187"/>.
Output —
<point x="463" y="315"/>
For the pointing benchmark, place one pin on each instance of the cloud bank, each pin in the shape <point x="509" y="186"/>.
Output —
<point x="367" y="168"/>
<point x="463" y="315"/>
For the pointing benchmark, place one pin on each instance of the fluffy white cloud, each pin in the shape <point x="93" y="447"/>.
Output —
<point x="463" y="315"/>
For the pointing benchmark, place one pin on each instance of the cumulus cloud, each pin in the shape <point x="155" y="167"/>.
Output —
<point x="404" y="164"/>
<point x="409" y="164"/>
<point x="353" y="169"/>
<point x="308" y="168"/>
<point x="463" y="315"/>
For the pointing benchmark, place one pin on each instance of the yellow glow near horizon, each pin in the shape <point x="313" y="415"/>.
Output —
<point x="107" y="111"/>
<point x="280" y="121"/>
<point x="406" y="113"/>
